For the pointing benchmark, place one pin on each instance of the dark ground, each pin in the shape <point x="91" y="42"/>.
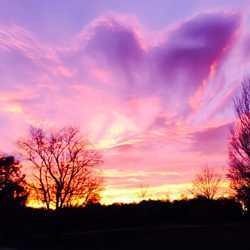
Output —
<point x="223" y="236"/>
<point x="186" y="224"/>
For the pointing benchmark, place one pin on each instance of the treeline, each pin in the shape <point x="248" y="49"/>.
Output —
<point x="28" y="224"/>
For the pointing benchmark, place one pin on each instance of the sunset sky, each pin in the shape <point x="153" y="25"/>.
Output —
<point x="148" y="82"/>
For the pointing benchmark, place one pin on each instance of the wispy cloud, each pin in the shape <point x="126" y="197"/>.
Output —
<point x="148" y="99"/>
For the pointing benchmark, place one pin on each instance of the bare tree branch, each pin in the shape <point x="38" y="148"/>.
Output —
<point x="63" y="166"/>
<point x="206" y="184"/>
<point x="239" y="147"/>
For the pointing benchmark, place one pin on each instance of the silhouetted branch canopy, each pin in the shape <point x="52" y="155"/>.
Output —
<point x="239" y="147"/>
<point x="63" y="164"/>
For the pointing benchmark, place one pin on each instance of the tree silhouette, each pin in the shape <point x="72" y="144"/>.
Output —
<point x="206" y="184"/>
<point x="239" y="147"/>
<point x="12" y="184"/>
<point x="63" y="166"/>
<point x="143" y="192"/>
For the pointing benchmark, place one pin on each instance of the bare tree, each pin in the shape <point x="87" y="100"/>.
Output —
<point x="143" y="192"/>
<point x="63" y="165"/>
<point x="206" y="184"/>
<point x="239" y="147"/>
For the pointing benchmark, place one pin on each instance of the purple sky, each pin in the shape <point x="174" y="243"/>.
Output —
<point x="150" y="84"/>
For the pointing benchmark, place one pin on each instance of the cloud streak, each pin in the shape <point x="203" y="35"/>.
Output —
<point x="148" y="99"/>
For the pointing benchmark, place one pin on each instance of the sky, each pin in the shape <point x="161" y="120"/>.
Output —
<point x="150" y="83"/>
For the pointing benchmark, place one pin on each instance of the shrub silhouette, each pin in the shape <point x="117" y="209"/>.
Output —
<point x="12" y="183"/>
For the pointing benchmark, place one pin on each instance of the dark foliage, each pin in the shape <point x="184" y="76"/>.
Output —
<point x="12" y="190"/>
<point x="36" y="226"/>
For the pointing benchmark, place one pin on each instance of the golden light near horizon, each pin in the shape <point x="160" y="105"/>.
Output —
<point x="166" y="192"/>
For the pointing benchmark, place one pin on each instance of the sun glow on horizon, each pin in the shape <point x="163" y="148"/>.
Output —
<point x="166" y="192"/>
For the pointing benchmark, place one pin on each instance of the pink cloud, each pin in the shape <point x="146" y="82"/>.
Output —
<point x="130" y="94"/>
